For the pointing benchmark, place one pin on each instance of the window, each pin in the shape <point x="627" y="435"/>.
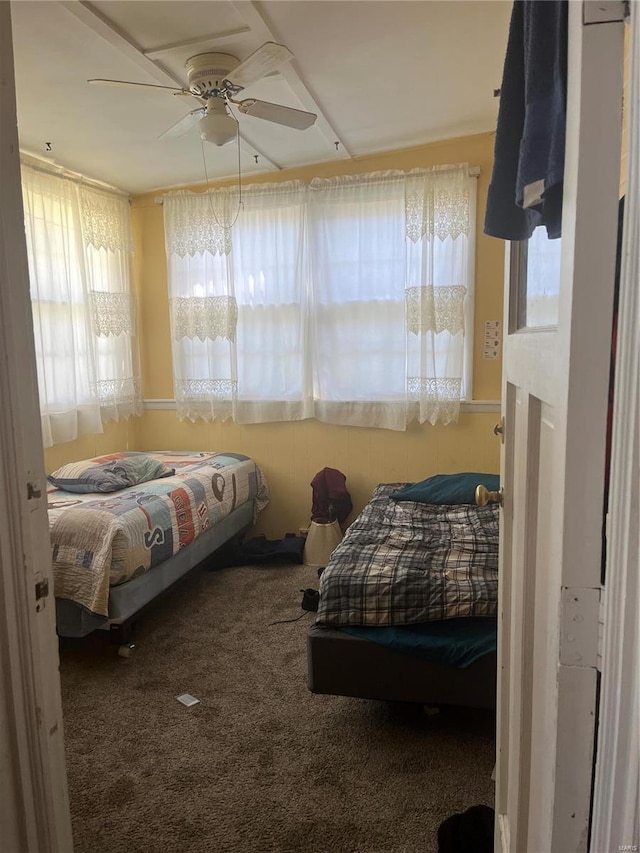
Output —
<point x="321" y="301"/>
<point x="78" y="247"/>
<point x="536" y="263"/>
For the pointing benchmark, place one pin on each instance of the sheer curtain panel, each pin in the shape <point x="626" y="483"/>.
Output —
<point x="237" y="301"/>
<point x="348" y="299"/>
<point x="440" y="223"/>
<point x="357" y="249"/>
<point x="78" y="247"/>
<point x="108" y="247"/>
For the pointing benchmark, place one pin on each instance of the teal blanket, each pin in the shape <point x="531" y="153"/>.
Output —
<point x="453" y="642"/>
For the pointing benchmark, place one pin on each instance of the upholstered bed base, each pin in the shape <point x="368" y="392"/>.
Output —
<point x="128" y="599"/>
<point x="343" y="665"/>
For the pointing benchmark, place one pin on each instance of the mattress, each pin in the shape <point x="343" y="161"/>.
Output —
<point x="102" y="540"/>
<point x="127" y="600"/>
<point x="403" y="562"/>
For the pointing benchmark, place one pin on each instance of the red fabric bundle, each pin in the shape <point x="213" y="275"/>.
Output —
<point x="331" y="500"/>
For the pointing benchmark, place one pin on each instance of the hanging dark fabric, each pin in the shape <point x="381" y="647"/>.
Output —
<point x="528" y="171"/>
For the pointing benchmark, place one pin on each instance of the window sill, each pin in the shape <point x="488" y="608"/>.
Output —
<point x="466" y="407"/>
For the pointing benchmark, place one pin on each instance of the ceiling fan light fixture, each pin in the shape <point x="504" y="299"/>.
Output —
<point x="217" y="126"/>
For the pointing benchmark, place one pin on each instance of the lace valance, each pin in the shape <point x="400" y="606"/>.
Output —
<point x="437" y="203"/>
<point x="106" y="221"/>
<point x="196" y="223"/>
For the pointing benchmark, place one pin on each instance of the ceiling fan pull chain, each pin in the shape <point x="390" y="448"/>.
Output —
<point x="206" y="178"/>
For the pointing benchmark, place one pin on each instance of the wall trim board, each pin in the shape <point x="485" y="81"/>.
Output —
<point x="468" y="407"/>
<point x="474" y="172"/>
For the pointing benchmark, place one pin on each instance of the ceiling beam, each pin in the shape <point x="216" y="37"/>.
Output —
<point x="250" y="11"/>
<point x="209" y="40"/>
<point x="122" y="41"/>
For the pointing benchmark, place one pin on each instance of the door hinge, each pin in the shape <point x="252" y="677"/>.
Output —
<point x="42" y="592"/>
<point x="601" y="622"/>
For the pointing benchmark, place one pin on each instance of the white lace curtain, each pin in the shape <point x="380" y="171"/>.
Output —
<point x="79" y="249"/>
<point x="440" y="223"/>
<point x="345" y="299"/>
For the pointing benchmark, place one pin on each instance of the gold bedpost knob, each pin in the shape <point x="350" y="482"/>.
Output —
<point x="484" y="496"/>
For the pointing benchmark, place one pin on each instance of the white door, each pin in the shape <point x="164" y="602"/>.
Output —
<point x="555" y="396"/>
<point x="34" y="810"/>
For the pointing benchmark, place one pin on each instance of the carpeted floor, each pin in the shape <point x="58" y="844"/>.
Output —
<point x="260" y="764"/>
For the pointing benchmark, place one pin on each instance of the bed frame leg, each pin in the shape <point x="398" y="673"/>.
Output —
<point x="121" y="634"/>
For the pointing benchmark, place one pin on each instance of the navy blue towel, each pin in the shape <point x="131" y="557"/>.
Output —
<point x="528" y="170"/>
<point x="259" y="550"/>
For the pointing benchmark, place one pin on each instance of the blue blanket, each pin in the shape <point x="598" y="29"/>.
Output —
<point x="452" y="642"/>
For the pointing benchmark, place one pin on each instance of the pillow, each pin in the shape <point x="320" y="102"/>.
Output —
<point x="448" y="488"/>
<point x="109" y="474"/>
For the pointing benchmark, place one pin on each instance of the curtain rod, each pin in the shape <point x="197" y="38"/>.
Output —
<point x="46" y="168"/>
<point x="474" y="172"/>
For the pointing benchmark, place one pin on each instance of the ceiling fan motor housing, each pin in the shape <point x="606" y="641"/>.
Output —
<point x="206" y="72"/>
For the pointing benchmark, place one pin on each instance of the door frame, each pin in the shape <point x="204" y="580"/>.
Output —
<point x="548" y="635"/>
<point x="33" y="793"/>
<point x="34" y="807"/>
<point x="616" y="808"/>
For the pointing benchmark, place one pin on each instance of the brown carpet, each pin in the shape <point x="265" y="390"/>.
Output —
<point x="260" y="764"/>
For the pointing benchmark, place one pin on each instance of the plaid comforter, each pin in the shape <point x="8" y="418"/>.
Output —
<point x="404" y="562"/>
<point x="103" y="539"/>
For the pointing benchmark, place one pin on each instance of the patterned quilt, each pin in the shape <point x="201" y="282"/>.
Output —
<point x="106" y="539"/>
<point x="404" y="562"/>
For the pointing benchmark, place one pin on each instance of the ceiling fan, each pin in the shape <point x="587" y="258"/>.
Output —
<point x="214" y="80"/>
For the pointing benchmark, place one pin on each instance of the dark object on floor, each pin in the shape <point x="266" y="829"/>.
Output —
<point x="310" y="599"/>
<point x="331" y="499"/>
<point x="260" y="550"/>
<point x="469" y="832"/>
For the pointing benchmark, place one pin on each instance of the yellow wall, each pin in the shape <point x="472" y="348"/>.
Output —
<point x="291" y="453"/>
<point x="123" y="435"/>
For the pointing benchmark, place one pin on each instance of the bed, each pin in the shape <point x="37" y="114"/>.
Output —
<point x="115" y="552"/>
<point x="408" y="604"/>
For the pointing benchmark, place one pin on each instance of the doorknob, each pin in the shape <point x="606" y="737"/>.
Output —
<point x="499" y="430"/>
<point x="484" y="496"/>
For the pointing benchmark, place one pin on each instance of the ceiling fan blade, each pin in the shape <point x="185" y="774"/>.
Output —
<point x="184" y="125"/>
<point x="175" y="91"/>
<point x="265" y="59"/>
<point x="288" y="116"/>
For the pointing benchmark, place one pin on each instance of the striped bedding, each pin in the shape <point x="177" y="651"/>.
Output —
<point x="106" y="539"/>
<point x="405" y="562"/>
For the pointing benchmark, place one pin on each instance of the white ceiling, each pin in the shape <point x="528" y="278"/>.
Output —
<point x="381" y="75"/>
